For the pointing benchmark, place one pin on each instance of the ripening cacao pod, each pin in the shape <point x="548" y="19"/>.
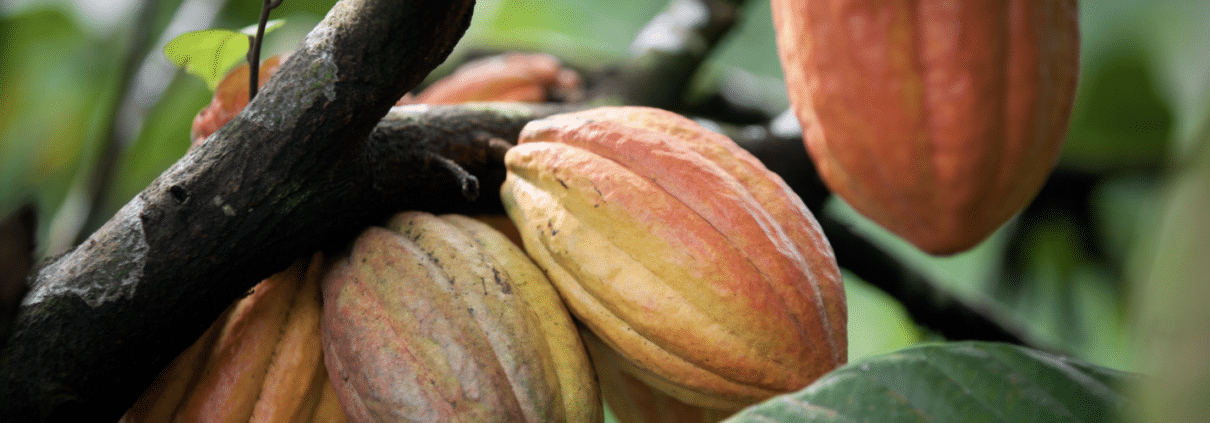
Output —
<point x="939" y="120"/>
<point x="230" y="97"/>
<point x="679" y="250"/>
<point x="444" y="319"/>
<point x="521" y="77"/>
<point x="632" y="400"/>
<point x="260" y="362"/>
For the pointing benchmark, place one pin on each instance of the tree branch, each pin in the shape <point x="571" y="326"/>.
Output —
<point x="925" y="300"/>
<point x="668" y="51"/>
<point x="273" y="184"/>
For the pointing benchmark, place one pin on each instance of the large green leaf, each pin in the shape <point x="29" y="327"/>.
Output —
<point x="953" y="382"/>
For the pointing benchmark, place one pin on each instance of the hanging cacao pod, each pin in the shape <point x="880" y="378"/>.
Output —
<point x="939" y="120"/>
<point x="679" y="250"/>
<point x="259" y="362"/>
<point x="443" y="319"/>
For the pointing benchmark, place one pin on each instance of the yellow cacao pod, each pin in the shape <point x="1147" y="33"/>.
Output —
<point x="939" y="120"/>
<point x="679" y="250"/>
<point x="259" y="362"/>
<point x="632" y="400"/>
<point x="443" y="319"/>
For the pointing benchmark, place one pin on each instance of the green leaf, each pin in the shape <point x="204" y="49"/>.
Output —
<point x="210" y="53"/>
<point x="954" y="382"/>
<point x="1173" y="322"/>
<point x="269" y="27"/>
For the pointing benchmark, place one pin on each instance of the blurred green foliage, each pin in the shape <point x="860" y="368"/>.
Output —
<point x="1142" y="105"/>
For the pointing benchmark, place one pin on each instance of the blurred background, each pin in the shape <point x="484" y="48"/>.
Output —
<point x="1110" y="263"/>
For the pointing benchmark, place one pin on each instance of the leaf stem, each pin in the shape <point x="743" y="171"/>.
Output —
<point x="254" y="43"/>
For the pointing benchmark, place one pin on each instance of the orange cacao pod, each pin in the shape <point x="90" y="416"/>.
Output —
<point x="521" y="77"/>
<point x="259" y="362"/>
<point x="443" y="319"/>
<point x="679" y="250"/>
<point x="939" y="120"/>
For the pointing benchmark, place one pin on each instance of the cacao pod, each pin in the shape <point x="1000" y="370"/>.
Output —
<point x="681" y="251"/>
<point x="443" y="319"/>
<point x="521" y="77"/>
<point x="939" y="120"/>
<point x="633" y="401"/>
<point x="230" y="97"/>
<point x="502" y="224"/>
<point x="259" y="362"/>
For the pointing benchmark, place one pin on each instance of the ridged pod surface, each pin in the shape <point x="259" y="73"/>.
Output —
<point x="679" y="250"/>
<point x="939" y="120"/>
<point x="443" y="319"/>
<point x="260" y="362"/>
<point x="633" y="401"/>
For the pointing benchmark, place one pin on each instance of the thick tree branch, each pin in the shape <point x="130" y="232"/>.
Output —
<point x="474" y="136"/>
<point x="272" y="185"/>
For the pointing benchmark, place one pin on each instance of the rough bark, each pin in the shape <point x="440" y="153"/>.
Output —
<point x="283" y="178"/>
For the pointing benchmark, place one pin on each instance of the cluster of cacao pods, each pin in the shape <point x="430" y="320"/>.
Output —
<point x="697" y="278"/>
<point x="664" y="268"/>
<point x="259" y="362"/>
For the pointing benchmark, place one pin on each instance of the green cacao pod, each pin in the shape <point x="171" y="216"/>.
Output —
<point x="680" y="251"/>
<point x="939" y="120"/>
<point x="259" y="362"/>
<point x="443" y="319"/>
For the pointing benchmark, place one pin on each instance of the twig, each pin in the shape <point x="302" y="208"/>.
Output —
<point x="254" y="43"/>
<point x="668" y="51"/>
<point x="468" y="184"/>
<point x="17" y="252"/>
